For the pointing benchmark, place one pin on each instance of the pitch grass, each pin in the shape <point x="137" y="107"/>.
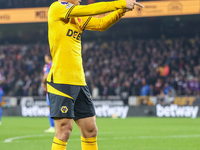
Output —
<point x="114" y="134"/>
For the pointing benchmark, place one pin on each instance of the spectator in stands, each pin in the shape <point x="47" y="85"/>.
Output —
<point x="167" y="88"/>
<point x="161" y="98"/>
<point x="169" y="92"/>
<point x="125" y="92"/>
<point x="144" y="102"/>
<point x="158" y="86"/>
<point x="145" y="88"/>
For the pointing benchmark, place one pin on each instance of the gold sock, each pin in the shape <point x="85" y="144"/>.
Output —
<point x="89" y="143"/>
<point x="58" y="144"/>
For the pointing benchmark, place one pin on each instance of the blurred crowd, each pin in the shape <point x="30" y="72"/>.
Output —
<point x="21" y="67"/>
<point x="125" y="67"/>
<point x="144" y="67"/>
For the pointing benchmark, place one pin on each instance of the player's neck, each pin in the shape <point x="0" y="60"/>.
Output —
<point x="75" y="2"/>
<point x="63" y="0"/>
<point x="49" y="62"/>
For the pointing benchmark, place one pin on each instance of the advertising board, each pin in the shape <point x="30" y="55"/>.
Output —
<point x="104" y="108"/>
<point x="23" y="15"/>
<point x="165" y="8"/>
<point x="151" y="9"/>
<point x="36" y="107"/>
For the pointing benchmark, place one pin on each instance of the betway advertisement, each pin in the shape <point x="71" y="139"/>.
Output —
<point x="35" y="107"/>
<point x="177" y="111"/>
<point x="31" y="107"/>
<point x="108" y="108"/>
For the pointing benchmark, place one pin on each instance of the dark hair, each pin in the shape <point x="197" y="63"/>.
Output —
<point x="48" y="55"/>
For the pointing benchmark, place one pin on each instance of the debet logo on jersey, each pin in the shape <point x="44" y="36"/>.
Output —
<point x="75" y="34"/>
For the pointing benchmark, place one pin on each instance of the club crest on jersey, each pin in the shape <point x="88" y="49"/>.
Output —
<point x="74" y="34"/>
<point x="64" y="109"/>
<point x="66" y="3"/>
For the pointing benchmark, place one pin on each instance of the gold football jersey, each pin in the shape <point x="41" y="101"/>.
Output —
<point x="66" y="23"/>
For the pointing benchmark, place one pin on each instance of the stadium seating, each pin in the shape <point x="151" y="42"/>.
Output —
<point x="113" y="67"/>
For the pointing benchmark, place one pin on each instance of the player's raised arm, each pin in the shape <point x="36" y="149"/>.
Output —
<point x="98" y="8"/>
<point x="102" y="24"/>
<point x="102" y="7"/>
<point x="65" y="9"/>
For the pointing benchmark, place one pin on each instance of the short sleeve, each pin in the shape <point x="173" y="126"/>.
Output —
<point x="45" y="69"/>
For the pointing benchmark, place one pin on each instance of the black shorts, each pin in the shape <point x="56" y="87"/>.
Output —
<point x="80" y="105"/>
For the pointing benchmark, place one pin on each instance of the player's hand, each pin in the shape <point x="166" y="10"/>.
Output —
<point x="131" y="3"/>
<point x="138" y="4"/>
<point x="126" y="10"/>
<point x="44" y="86"/>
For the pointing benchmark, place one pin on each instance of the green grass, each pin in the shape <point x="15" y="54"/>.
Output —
<point x="114" y="134"/>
